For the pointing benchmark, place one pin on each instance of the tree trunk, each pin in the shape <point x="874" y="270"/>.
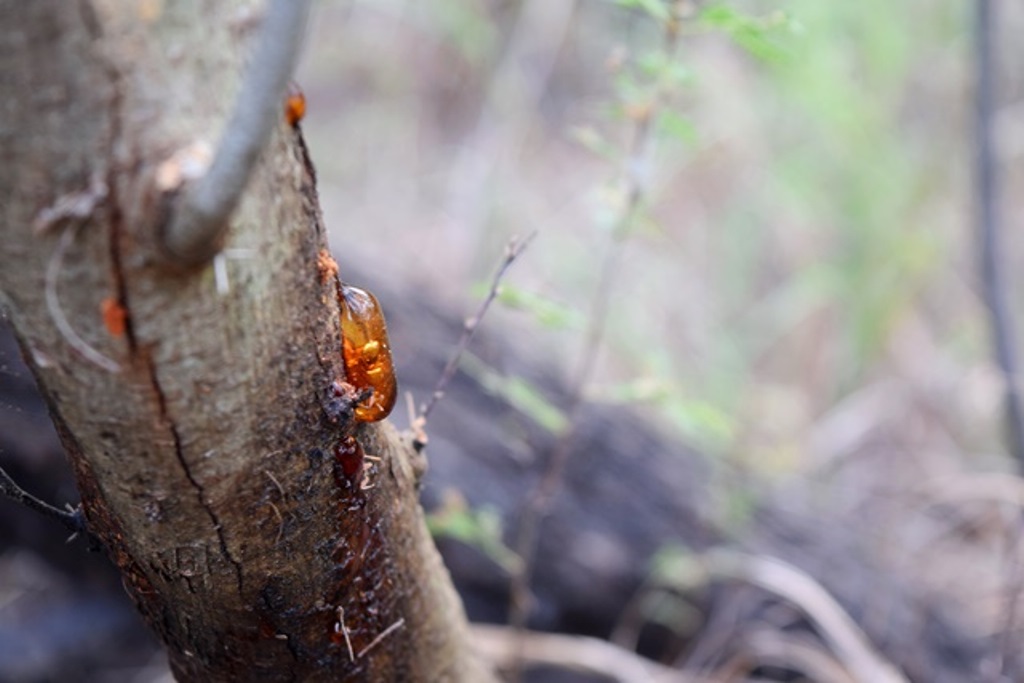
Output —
<point x="192" y="405"/>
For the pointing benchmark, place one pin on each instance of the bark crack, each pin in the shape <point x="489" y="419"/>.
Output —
<point x="116" y="215"/>
<point x="179" y="453"/>
<point x="120" y="279"/>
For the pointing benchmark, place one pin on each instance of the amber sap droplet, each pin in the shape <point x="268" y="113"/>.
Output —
<point x="367" y="353"/>
<point x="349" y="456"/>
<point x="115" y="317"/>
<point x="294" y="105"/>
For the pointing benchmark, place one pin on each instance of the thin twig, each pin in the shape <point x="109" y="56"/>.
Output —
<point x="512" y="250"/>
<point x="844" y="638"/>
<point x="56" y="311"/>
<point x="987" y="179"/>
<point x="71" y="519"/>
<point x="74" y="207"/>
<point x="340" y="626"/>
<point x="200" y="220"/>
<point x="1009" y="636"/>
<point x="515" y="90"/>
<point x="277" y="484"/>
<point x="580" y="653"/>
<point x="964" y="488"/>
<point x="383" y="634"/>
<point x="771" y="647"/>
<point x="636" y="163"/>
<point x="280" y="522"/>
<point x="994" y="283"/>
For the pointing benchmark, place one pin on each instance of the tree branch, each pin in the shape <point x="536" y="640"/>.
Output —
<point x="635" y="186"/>
<point x="469" y="327"/>
<point x="197" y="226"/>
<point x="993" y="277"/>
<point x="71" y="519"/>
<point x="844" y="638"/>
<point x="578" y="653"/>
<point x="207" y="467"/>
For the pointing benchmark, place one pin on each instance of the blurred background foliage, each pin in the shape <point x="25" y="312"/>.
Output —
<point x="782" y="195"/>
<point x="796" y="289"/>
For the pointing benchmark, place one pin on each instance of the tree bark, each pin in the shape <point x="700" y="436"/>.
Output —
<point x="193" y="413"/>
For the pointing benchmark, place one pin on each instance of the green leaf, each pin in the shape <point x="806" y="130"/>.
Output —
<point x="480" y="528"/>
<point x="548" y="312"/>
<point x="593" y="141"/>
<point x="657" y="9"/>
<point x="639" y="390"/>
<point x="677" y="126"/>
<point x="759" y="36"/>
<point x="676" y="566"/>
<point x="663" y="68"/>
<point x="519" y="393"/>
<point x="700" y="420"/>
